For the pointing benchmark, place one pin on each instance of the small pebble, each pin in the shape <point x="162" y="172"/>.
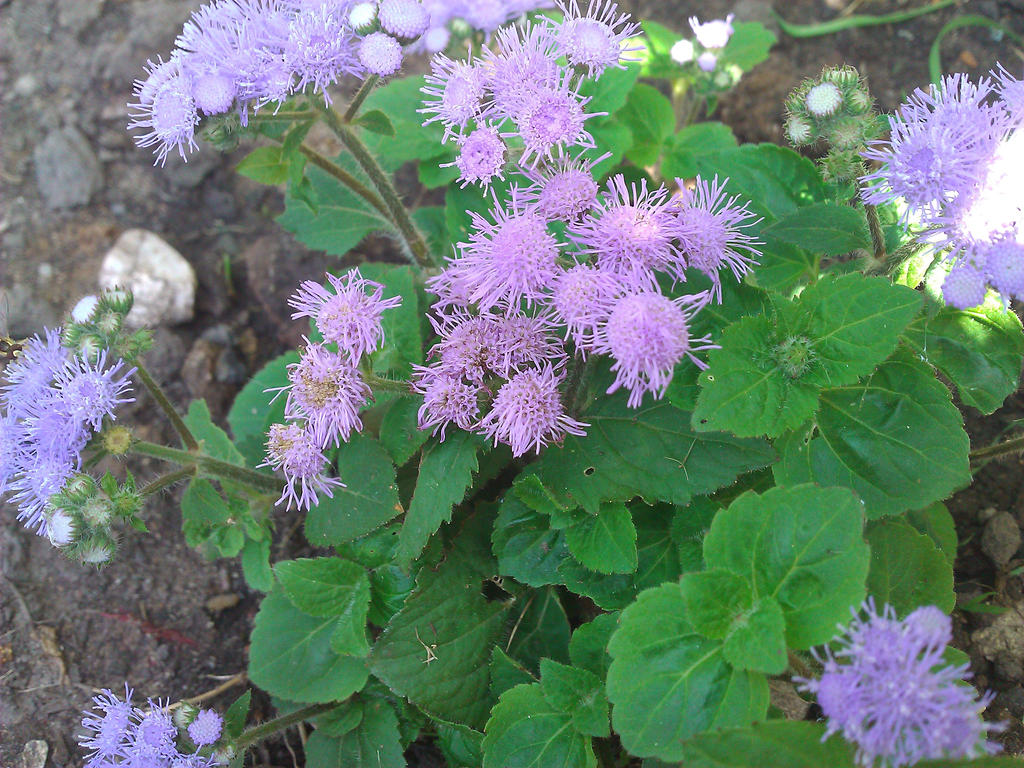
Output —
<point x="1001" y="538"/>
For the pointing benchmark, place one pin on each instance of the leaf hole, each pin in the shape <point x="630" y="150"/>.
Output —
<point x="589" y="471"/>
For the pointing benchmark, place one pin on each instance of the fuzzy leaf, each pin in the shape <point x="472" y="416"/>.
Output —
<point x="525" y="731"/>
<point x="605" y="542"/>
<point x="907" y="569"/>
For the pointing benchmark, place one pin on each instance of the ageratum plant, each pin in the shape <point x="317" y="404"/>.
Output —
<point x="649" y="429"/>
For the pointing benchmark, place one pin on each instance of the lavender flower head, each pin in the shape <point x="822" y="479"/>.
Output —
<point x="206" y="728"/>
<point x="481" y="156"/>
<point x="713" y="34"/>
<point x="594" y="40"/>
<point x="886" y="689"/>
<point x="165" y="111"/>
<point x="457" y="90"/>
<point x="564" y="188"/>
<point x="381" y="54"/>
<point x="447" y="399"/>
<point x="350" y="315"/>
<point x="294" y="450"/>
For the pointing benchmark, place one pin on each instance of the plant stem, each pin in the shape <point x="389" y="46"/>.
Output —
<point x="269" y="728"/>
<point x="798" y="666"/>
<point x="357" y="100"/>
<point x="168" y="479"/>
<point x="849" y="22"/>
<point x="258" y="481"/>
<point x="283" y="117"/>
<point x="1016" y="445"/>
<point x="387" y="385"/>
<point x="187" y="438"/>
<point x="398" y="214"/>
<point x="877" y="236"/>
<point x="345" y="178"/>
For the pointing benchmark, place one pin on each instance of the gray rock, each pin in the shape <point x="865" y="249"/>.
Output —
<point x="67" y="171"/>
<point x="77" y="14"/>
<point x="185" y="175"/>
<point x="34" y="754"/>
<point x="1003" y="643"/>
<point x="1001" y="538"/>
<point x="163" y="282"/>
<point x="24" y="313"/>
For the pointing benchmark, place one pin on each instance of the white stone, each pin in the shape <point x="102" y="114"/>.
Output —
<point x="163" y="282"/>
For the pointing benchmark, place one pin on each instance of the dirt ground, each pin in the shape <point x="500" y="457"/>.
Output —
<point x="161" y="617"/>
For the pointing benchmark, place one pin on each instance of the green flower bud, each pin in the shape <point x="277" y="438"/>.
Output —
<point x="795" y="356"/>
<point x="799" y="132"/>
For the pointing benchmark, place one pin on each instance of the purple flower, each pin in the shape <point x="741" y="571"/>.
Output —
<point x="1004" y="261"/>
<point x="647" y="335"/>
<point x="447" y="399"/>
<point x="109" y="729"/>
<point x="583" y="298"/>
<point x="350" y="316"/>
<point x="593" y="41"/>
<point x="457" y="89"/>
<point x="381" y="54"/>
<point x="466" y="345"/>
<point x="712" y="34"/>
<point x="964" y="286"/>
<point x="563" y="188"/>
<point x="710" y="233"/>
<point x="1011" y="93"/>
<point x="12" y="435"/>
<point x="32" y="372"/>
<point x="169" y="118"/>
<point x="527" y="413"/>
<point x="320" y="48"/>
<point x="508" y="261"/>
<point x="405" y="19"/>
<point x="551" y="118"/>
<point x="206" y="728"/>
<point x="327" y="391"/>
<point x="89" y="392"/>
<point x="634" y="233"/>
<point x="525" y="61"/>
<point x="294" y="450"/>
<point x="521" y="341"/>
<point x="481" y="156"/>
<point x="886" y="688"/>
<point x="707" y="61"/>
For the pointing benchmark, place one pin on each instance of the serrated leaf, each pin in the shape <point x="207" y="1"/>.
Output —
<point x="435" y="651"/>
<point x="980" y="350"/>
<point x="252" y="413"/>
<point x="290" y="655"/>
<point x="588" y="647"/>
<point x="446" y="471"/>
<point x="896" y="440"/>
<point x="907" y="569"/>
<point x="256" y="565"/>
<point x="749" y="45"/>
<point x="398" y="100"/>
<point x="801" y="546"/>
<point x="713" y="598"/>
<point x="213" y="441"/>
<point x="462" y="747"/>
<point x="266" y="165"/>
<point x="236" y="715"/>
<point x="526" y="546"/>
<point x="612" y="137"/>
<point x="540" y="629"/>
<point x="390" y="588"/>
<point x="376" y="121"/>
<point x="375" y="743"/>
<point x="771" y="744"/>
<point x="369" y="499"/>
<point x="682" y="151"/>
<point x="757" y="638"/>
<point x="577" y="692"/>
<point x="605" y="542"/>
<point x="399" y="433"/>
<point x="652" y="120"/>
<point x="650" y="452"/>
<point x="667" y="683"/>
<point x="936" y="522"/>
<point x="403" y="342"/>
<point x="326" y="587"/>
<point x="826" y="228"/>
<point x="525" y="731"/>
<point x="609" y="592"/>
<point x="611" y="90"/>
<point x="507" y="673"/>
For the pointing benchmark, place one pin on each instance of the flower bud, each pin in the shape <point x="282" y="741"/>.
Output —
<point x="84" y="309"/>
<point x="118" y="300"/>
<point x="97" y="549"/>
<point x="824" y="100"/>
<point x="682" y="52"/>
<point x="799" y="131"/>
<point x="362" y="18"/>
<point x="795" y="356"/>
<point x="61" y="527"/>
<point x="117" y="440"/>
<point x="184" y="715"/>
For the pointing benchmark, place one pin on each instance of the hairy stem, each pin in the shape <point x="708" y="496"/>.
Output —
<point x="877" y="236"/>
<point x="283" y="117"/>
<point x="346" y="178"/>
<point x="387" y="385"/>
<point x="797" y="665"/>
<point x="269" y="728"/>
<point x="398" y="213"/>
<point x="168" y="479"/>
<point x="187" y="438"/>
<point x="1016" y="445"/>
<point x="357" y="100"/>
<point x="258" y="481"/>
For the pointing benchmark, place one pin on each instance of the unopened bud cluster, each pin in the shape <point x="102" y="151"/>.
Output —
<point x="83" y="518"/>
<point x="96" y="324"/>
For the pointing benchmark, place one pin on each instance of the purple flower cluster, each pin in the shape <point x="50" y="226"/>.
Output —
<point x="483" y="15"/>
<point x="119" y="733"/>
<point x="952" y="156"/>
<point x="326" y="387"/>
<point x="245" y="54"/>
<point x="50" y="406"/>
<point x="887" y="689"/>
<point x="520" y="82"/>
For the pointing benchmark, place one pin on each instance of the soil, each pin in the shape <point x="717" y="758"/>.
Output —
<point x="163" y="618"/>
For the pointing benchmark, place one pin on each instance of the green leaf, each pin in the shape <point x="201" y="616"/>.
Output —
<point x="897" y="440"/>
<point x="605" y="542"/>
<point x="657" y="553"/>
<point x="611" y="136"/>
<point x="650" y="117"/>
<point x="771" y="744"/>
<point x="526" y="546"/>
<point x="256" y="564"/>
<point x="907" y="569"/>
<point x="713" y="598"/>
<point x="210" y="521"/>
<point x="403" y="342"/>
<point x="656" y="43"/>
<point x="649" y="451"/>
<point x="252" y="413"/>
<point x="525" y="731"/>
<point x="342" y="218"/>
<point x="460" y="202"/>
<point x="608" y="592"/>
<point x="588" y="647"/>
<point x="980" y="350"/>
<point x="330" y="586"/>
<point x="461" y="746"/>
<point x="667" y="683"/>
<point x="265" y="165"/>
<point x="437" y="172"/>
<point x="757" y="638"/>
<point x="578" y="693"/>
<point x="782" y="267"/>
<point x="435" y="651"/>
<point x="376" y="121"/>
<point x="446" y="471"/>
<point x="375" y="743"/>
<point x="540" y="629"/>
<point x="682" y="151"/>
<point x="399" y="433"/>
<point x="749" y="45"/>
<point x="236" y="715"/>
<point x="801" y="546"/>
<point x="432" y="222"/>
<point x="290" y="655"/>
<point x="507" y="673"/>
<point x="826" y="228"/>
<point x="611" y="90"/>
<point x="390" y="588"/>
<point x="369" y="499"/>
<point x="213" y="441"/>
<point x="935" y="521"/>
<point x="411" y="140"/>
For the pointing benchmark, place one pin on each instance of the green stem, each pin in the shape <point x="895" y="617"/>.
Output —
<point x="849" y="22"/>
<point x="269" y="728"/>
<point x="387" y="385"/>
<point x="357" y="100"/>
<point x="798" y="666"/>
<point x="187" y="438"/>
<point x="345" y="178"/>
<point x="398" y="214"/>
<point x="168" y="479"/>
<point x="877" y="236"/>
<point x="258" y="481"/>
<point x="1016" y="445"/>
<point x="283" y="117"/>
